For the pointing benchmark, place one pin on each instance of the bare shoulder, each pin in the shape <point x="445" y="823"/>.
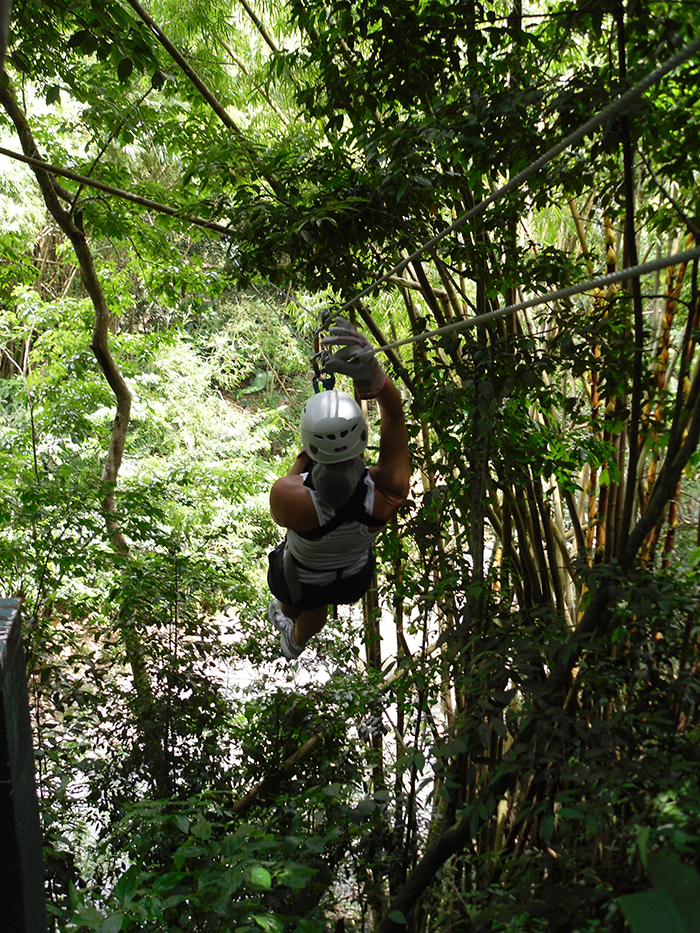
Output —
<point x="291" y="505"/>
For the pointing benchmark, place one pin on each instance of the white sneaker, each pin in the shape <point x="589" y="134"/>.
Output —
<point x="285" y="626"/>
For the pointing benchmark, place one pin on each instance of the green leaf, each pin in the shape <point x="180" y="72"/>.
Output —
<point x="78" y="38"/>
<point x="296" y="876"/>
<point x="547" y="828"/>
<point x="484" y="735"/>
<point x="261" y="877"/>
<point x="397" y="916"/>
<point x="570" y="813"/>
<point x="680" y="883"/>
<point x="257" y="385"/>
<point x="127" y="884"/>
<point x="651" y="912"/>
<point x="365" y="807"/>
<point x="268" y="923"/>
<point x="202" y="829"/>
<point x="113" y="923"/>
<point x="402" y="189"/>
<point x="124" y="69"/>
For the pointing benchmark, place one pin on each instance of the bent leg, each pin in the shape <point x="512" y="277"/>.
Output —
<point x="307" y="622"/>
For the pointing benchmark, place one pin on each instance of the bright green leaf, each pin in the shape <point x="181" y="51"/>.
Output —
<point x="269" y="923"/>
<point x="261" y="877"/>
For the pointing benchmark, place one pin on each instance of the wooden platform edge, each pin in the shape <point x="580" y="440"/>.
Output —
<point x="22" y="889"/>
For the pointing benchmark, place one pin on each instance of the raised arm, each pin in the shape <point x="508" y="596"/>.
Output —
<point x="356" y="359"/>
<point x="392" y="473"/>
<point x="299" y="465"/>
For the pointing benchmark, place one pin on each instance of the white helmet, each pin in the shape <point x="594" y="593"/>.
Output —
<point x="333" y="427"/>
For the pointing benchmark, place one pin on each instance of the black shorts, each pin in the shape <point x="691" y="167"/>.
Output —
<point x="340" y="592"/>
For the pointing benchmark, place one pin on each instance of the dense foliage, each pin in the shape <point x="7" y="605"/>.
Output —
<point x="529" y="748"/>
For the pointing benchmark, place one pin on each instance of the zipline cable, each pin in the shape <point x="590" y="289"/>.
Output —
<point x="179" y="213"/>
<point x="576" y="136"/>
<point x="632" y="272"/>
<point x="617" y="106"/>
<point x="612" y="110"/>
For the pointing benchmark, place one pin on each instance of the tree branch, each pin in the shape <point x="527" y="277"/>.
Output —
<point x="206" y="93"/>
<point x="258" y="25"/>
<point x="36" y="162"/>
<point x="246" y="71"/>
<point x="188" y="70"/>
<point x="631" y="245"/>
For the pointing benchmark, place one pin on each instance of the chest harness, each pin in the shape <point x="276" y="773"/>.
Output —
<point x="353" y="511"/>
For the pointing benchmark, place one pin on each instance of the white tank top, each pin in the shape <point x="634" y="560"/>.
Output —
<point x="346" y="547"/>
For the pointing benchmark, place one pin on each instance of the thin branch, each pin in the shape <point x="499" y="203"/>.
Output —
<point x="111" y="138"/>
<point x="258" y="87"/>
<point x="416" y="286"/>
<point x="581" y="234"/>
<point x="189" y="71"/>
<point x="258" y="25"/>
<point x="287" y="766"/>
<point x="38" y="163"/>
<point x="206" y="93"/>
<point x="23" y="373"/>
<point x="248" y="799"/>
<point x="692" y="227"/>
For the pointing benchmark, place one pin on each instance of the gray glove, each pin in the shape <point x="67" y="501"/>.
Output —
<point x="367" y="374"/>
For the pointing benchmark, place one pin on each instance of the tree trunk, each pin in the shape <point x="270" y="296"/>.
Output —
<point x="70" y="222"/>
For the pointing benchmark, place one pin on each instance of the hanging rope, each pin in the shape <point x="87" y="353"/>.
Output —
<point x="612" y="110"/>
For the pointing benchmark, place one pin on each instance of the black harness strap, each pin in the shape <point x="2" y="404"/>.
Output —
<point x="353" y="511"/>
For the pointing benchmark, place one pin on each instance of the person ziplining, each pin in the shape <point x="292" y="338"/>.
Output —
<point x="332" y="506"/>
